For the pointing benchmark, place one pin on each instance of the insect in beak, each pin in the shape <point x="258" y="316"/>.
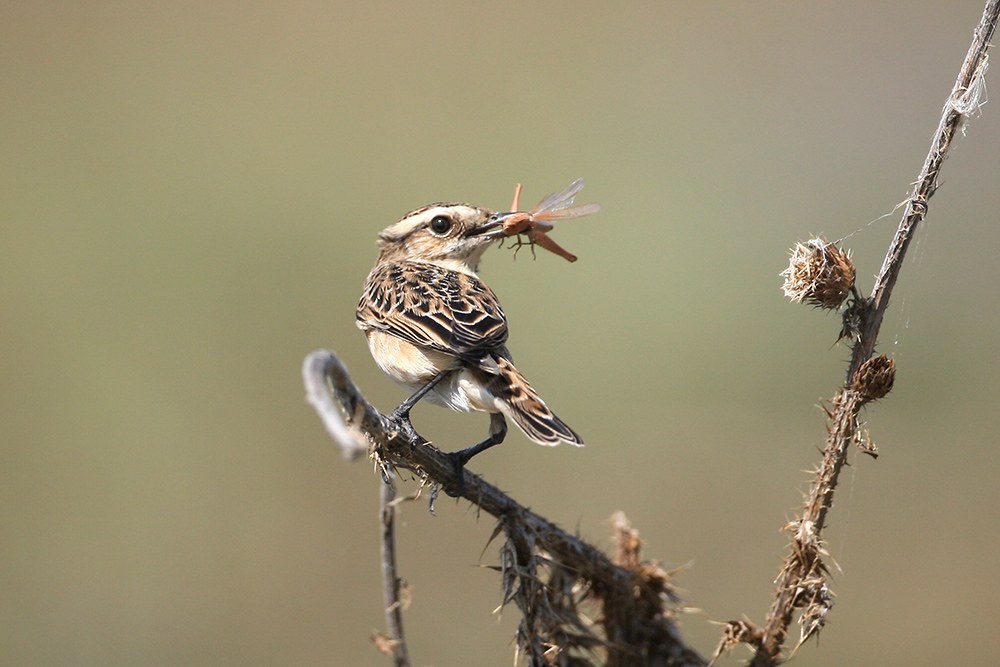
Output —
<point x="535" y="224"/>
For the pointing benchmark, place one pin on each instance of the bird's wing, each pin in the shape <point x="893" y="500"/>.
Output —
<point x="434" y="307"/>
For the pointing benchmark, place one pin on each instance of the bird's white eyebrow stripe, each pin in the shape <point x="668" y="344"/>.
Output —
<point x="416" y="212"/>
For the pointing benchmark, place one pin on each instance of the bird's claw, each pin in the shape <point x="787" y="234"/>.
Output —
<point x="400" y="419"/>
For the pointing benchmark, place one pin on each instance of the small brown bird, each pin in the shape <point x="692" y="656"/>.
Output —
<point x="437" y="330"/>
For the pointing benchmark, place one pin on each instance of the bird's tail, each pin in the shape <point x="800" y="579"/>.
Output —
<point x="527" y="408"/>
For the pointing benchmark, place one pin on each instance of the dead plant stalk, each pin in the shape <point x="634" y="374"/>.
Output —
<point x="804" y="562"/>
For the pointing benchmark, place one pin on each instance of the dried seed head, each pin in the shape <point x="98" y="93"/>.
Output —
<point x="819" y="273"/>
<point x="875" y="377"/>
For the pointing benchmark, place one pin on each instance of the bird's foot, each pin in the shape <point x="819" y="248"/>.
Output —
<point x="400" y="420"/>
<point x="460" y="458"/>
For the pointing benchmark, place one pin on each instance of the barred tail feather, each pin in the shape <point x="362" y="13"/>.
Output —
<point x="528" y="410"/>
<point x="544" y="429"/>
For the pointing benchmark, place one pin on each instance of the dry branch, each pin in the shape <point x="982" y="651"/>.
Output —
<point x="578" y="605"/>
<point x="801" y="585"/>
<point x="395" y="644"/>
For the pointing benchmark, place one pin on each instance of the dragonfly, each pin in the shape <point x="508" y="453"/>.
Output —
<point x="540" y="220"/>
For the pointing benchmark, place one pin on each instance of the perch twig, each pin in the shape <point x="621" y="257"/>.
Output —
<point x="638" y="629"/>
<point x="396" y="643"/>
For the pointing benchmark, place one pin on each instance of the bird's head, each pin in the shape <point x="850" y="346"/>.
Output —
<point x="452" y="234"/>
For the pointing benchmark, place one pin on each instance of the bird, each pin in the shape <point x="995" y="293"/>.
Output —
<point x="438" y="330"/>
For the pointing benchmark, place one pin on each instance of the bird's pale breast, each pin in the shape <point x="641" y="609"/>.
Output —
<point x="412" y="367"/>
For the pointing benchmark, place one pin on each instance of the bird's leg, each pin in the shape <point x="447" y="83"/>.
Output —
<point x="498" y="431"/>
<point x="403" y="411"/>
<point x="401" y="415"/>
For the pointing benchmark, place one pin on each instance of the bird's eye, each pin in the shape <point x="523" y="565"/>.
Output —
<point x="441" y="224"/>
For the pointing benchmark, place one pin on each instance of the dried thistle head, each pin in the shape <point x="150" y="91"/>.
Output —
<point x="820" y="273"/>
<point x="628" y="555"/>
<point x="875" y="377"/>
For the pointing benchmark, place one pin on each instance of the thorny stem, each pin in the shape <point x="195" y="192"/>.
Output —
<point x="390" y="580"/>
<point x="804" y="561"/>
<point x="638" y="624"/>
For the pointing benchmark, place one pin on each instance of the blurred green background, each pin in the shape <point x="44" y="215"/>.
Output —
<point x="190" y="197"/>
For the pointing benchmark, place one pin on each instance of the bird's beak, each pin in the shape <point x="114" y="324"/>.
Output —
<point x="492" y="229"/>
